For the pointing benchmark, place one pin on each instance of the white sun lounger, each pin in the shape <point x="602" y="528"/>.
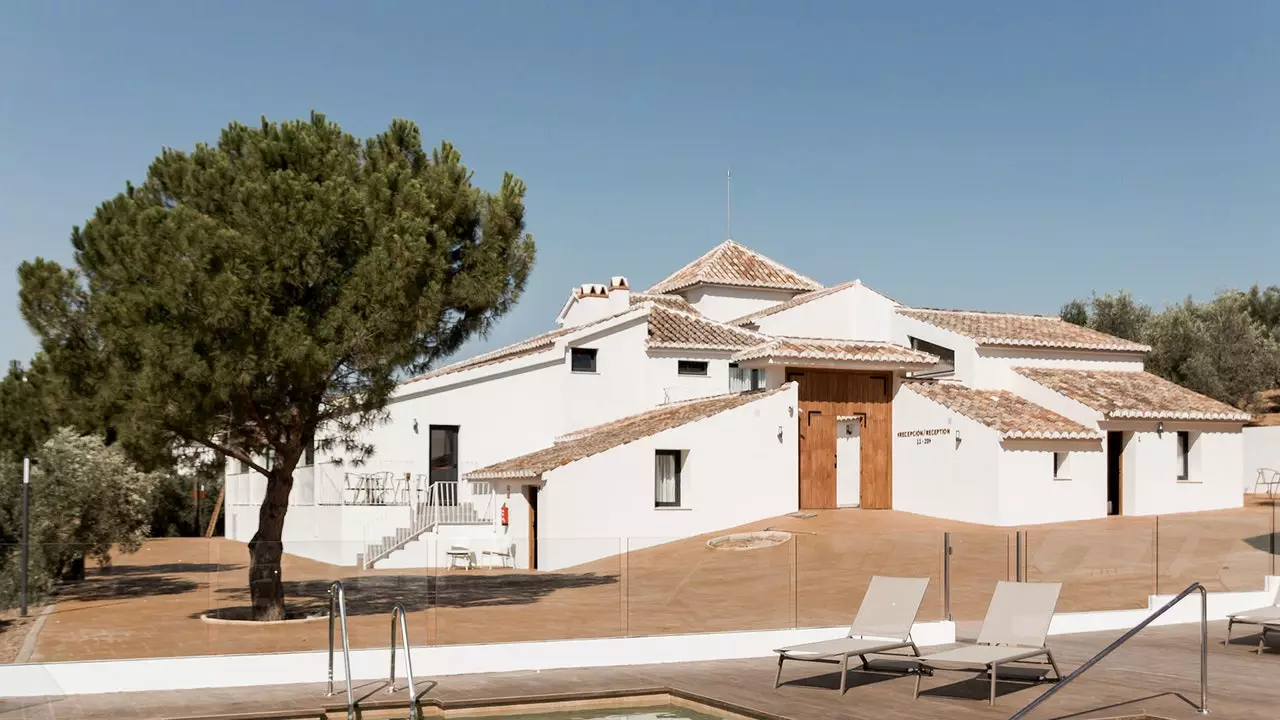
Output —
<point x="1266" y="617"/>
<point x="883" y="624"/>
<point x="1013" y="631"/>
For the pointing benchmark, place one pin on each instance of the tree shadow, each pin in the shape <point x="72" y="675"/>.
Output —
<point x="1264" y="543"/>
<point x="166" y="569"/>
<point x="378" y="594"/>
<point x="105" y="587"/>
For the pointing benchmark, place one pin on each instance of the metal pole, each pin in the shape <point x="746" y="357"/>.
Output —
<point x="1204" y="651"/>
<point x="946" y="575"/>
<point x="26" y="533"/>
<point x="1018" y="541"/>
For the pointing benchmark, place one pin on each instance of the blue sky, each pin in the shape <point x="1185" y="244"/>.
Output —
<point x="976" y="155"/>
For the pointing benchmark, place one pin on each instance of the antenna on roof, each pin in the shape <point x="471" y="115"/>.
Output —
<point x="728" y="204"/>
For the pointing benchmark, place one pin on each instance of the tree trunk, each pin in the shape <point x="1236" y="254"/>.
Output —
<point x="266" y="584"/>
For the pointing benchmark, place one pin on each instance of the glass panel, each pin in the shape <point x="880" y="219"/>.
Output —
<point x="1226" y="550"/>
<point x="444" y="454"/>
<point x="686" y="586"/>
<point x="576" y="593"/>
<point x="1102" y="564"/>
<point x="833" y="571"/>
<point x="979" y="559"/>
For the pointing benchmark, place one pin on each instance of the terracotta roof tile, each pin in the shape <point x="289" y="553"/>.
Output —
<point x="595" y="440"/>
<point x="1013" y="416"/>
<point x="1009" y="329"/>
<point x="732" y="264"/>
<point x="840" y="350"/>
<point x="673" y="302"/>
<point x="672" y="329"/>
<point x="1132" y="394"/>
<point x="530" y="346"/>
<point x="793" y="302"/>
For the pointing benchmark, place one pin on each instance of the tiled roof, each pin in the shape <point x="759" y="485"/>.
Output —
<point x="732" y="264"/>
<point x="674" y="302"/>
<point x="594" y="440"/>
<point x="1132" y="394"/>
<point x="672" y="329"/>
<point x="793" y="302"/>
<point x="839" y="350"/>
<point x="1008" y="329"/>
<point x="1013" y="416"/>
<point x="668" y="328"/>
<point x="531" y="346"/>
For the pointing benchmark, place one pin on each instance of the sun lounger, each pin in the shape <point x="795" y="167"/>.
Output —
<point x="1013" y="631"/>
<point x="883" y="624"/>
<point x="1263" y="616"/>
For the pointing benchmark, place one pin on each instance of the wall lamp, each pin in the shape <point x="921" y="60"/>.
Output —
<point x="1159" y="429"/>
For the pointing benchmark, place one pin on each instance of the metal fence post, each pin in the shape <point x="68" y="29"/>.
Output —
<point x="946" y="575"/>
<point x="1019" y="542"/>
<point x="26" y="533"/>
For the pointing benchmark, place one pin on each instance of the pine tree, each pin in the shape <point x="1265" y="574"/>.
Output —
<point x="263" y="294"/>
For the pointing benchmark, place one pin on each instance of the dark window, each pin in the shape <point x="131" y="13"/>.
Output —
<point x="1184" y="452"/>
<point x="691" y="367"/>
<point x="243" y="466"/>
<point x="946" y="356"/>
<point x="666" y="478"/>
<point x="1060" y="468"/>
<point x="582" y="359"/>
<point x="309" y="454"/>
<point x="443" y="451"/>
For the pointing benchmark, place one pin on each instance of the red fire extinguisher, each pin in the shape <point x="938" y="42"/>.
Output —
<point x="506" y="517"/>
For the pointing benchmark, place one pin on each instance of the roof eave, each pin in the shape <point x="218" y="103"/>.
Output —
<point x="1131" y="414"/>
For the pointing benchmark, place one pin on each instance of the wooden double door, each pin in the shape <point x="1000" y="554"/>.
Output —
<point x="826" y="396"/>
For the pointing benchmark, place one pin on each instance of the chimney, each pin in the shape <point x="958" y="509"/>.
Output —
<point x="619" y="294"/>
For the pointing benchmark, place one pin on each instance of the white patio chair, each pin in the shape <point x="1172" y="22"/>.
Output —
<point x="1267" y="478"/>
<point x="504" y="558"/>
<point x="459" y="556"/>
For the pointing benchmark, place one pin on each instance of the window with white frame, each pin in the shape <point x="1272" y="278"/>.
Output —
<point x="1061" y="466"/>
<point x="1184" y="455"/>
<point x="691" y="367"/>
<point x="666" y="478"/>
<point x="582" y="360"/>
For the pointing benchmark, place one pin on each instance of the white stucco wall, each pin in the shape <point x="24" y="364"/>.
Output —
<point x="1029" y="494"/>
<point x="1261" y="450"/>
<point x="904" y="328"/>
<point x="736" y="470"/>
<point x="662" y="374"/>
<point x="728" y="303"/>
<point x="1150" y="467"/>
<point x="830" y="316"/>
<point x="993" y="367"/>
<point x="932" y="473"/>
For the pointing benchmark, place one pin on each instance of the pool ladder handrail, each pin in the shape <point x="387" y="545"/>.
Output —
<point x="338" y="598"/>
<point x="1203" y="708"/>
<point x="399" y="612"/>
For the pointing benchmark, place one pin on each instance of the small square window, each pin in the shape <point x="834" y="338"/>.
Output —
<point x="692" y="367"/>
<point x="1061" y="466"/>
<point x="666" y="478"/>
<point x="1184" y="453"/>
<point x="582" y="360"/>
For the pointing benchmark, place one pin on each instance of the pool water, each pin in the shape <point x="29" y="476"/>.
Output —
<point x="662" y="712"/>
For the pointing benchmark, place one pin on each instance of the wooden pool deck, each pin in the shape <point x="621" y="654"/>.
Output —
<point x="1157" y="673"/>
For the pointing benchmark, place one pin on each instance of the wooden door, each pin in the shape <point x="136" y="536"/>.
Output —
<point x="531" y="492"/>
<point x="817" y="459"/>
<point x="826" y="395"/>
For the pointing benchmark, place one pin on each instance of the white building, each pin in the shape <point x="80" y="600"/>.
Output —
<point x="737" y="389"/>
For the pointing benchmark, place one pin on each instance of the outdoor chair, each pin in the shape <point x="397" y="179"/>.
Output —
<point x="1268" y="618"/>
<point x="1013" y="631"/>
<point x="883" y="624"/>
<point x="459" y="556"/>
<point x="1268" y="479"/>
<point x="503" y="558"/>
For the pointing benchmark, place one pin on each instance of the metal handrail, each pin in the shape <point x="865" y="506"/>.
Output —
<point x="398" y="612"/>
<point x="336" y="596"/>
<point x="1204" y="652"/>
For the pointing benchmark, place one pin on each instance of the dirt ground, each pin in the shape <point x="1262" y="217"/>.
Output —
<point x="150" y="603"/>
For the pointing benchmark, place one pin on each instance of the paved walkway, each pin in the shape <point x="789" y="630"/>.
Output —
<point x="150" y="603"/>
<point x="1157" y="672"/>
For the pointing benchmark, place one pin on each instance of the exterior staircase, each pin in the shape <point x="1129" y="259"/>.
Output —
<point x="442" y="508"/>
